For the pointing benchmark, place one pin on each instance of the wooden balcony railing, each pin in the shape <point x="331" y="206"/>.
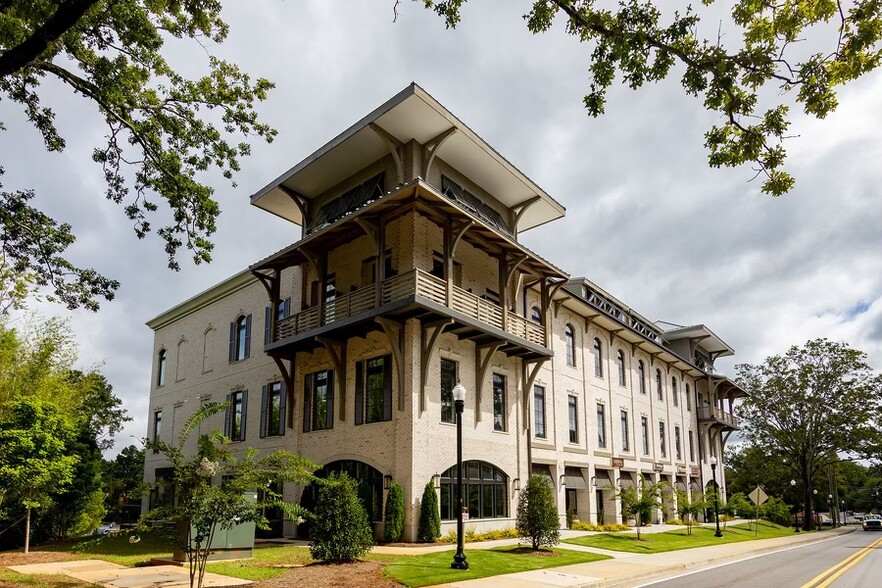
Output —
<point x="419" y="283"/>
<point x="710" y="413"/>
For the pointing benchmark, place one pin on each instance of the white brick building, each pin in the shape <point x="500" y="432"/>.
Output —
<point x="409" y="277"/>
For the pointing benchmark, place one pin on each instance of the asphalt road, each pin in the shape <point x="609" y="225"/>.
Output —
<point x="846" y="561"/>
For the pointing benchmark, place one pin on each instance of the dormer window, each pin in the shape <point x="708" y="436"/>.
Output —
<point x="347" y="203"/>
<point x="468" y="201"/>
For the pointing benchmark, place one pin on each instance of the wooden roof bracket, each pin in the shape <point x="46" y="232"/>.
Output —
<point x="430" y="335"/>
<point x="652" y="357"/>
<point x="337" y="351"/>
<point x="483" y="355"/>
<point x="302" y="204"/>
<point x="612" y="335"/>
<point x="432" y="146"/>
<point x="519" y="211"/>
<point x="394" y="146"/>
<point x="394" y="333"/>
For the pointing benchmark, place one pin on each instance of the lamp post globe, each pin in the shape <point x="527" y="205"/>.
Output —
<point x="713" y="464"/>
<point x="459" y="560"/>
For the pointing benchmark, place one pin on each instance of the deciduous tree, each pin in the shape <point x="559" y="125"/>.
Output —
<point x="751" y="78"/>
<point x="537" y="518"/>
<point x="812" y="406"/>
<point x="164" y="130"/>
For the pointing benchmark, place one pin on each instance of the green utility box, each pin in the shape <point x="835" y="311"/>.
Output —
<point x="236" y="542"/>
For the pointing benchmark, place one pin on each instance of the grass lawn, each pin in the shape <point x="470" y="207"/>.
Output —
<point x="680" y="539"/>
<point x="10" y="578"/>
<point x="434" y="568"/>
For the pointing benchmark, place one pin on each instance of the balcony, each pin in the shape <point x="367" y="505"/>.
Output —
<point x="416" y="294"/>
<point x="717" y="416"/>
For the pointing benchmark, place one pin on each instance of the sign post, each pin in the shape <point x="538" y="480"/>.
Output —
<point x="758" y="497"/>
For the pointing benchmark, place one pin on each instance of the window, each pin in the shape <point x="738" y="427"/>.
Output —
<point x="240" y="338"/>
<point x="570" y="334"/>
<point x="644" y="430"/>
<point x="283" y="311"/>
<point x="658" y="385"/>
<point x="598" y="358"/>
<point x="691" y="447"/>
<point x="536" y="315"/>
<point x="448" y="381"/>
<point x="678" y="451"/>
<point x="234" y="424"/>
<point x="662" y="446"/>
<point x="688" y="399"/>
<point x="157" y="428"/>
<point x="573" y="414"/>
<point x="626" y="435"/>
<point x="318" y="401"/>
<point x="484" y="491"/>
<point x="539" y="410"/>
<point x="272" y="410"/>
<point x="620" y="360"/>
<point x="369" y="268"/>
<point x="601" y="426"/>
<point x="498" y="402"/>
<point x="675" y="396"/>
<point x="160" y="368"/>
<point x="373" y="390"/>
<point x="641" y="376"/>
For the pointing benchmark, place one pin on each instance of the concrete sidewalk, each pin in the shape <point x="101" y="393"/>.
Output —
<point x="628" y="569"/>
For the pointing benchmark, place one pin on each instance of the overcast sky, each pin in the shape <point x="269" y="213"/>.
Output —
<point x="647" y="220"/>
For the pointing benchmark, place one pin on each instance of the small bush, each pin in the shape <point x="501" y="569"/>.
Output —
<point x="471" y="536"/>
<point x="430" y="517"/>
<point x="537" y="513"/>
<point x="606" y="527"/>
<point x="340" y="529"/>
<point x="393" y="515"/>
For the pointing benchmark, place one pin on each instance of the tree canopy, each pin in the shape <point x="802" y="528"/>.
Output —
<point x="164" y="130"/>
<point x="751" y="79"/>
<point x="812" y="406"/>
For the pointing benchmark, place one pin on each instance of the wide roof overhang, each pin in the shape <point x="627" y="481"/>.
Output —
<point x="704" y="337"/>
<point x="412" y="114"/>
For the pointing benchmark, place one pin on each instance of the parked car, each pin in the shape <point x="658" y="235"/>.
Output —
<point x="872" y="523"/>
<point x="106" y="529"/>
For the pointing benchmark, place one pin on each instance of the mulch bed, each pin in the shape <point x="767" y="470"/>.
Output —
<point x="361" y="574"/>
<point x="13" y="558"/>
<point x="534" y="552"/>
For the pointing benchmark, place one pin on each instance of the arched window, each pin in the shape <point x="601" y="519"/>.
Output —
<point x="240" y="338"/>
<point x="570" y="334"/>
<point x="620" y="360"/>
<point x="688" y="399"/>
<point x="598" y="358"/>
<point x="674" y="395"/>
<point x="536" y="315"/>
<point x="160" y="368"/>
<point x="641" y="376"/>
<point x="370" y="488"/>
<point x="658" y="385"/>
<point x="484" y="488"/>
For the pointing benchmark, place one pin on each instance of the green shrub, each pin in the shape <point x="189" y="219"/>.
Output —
<point x="393" y="515"/>
<point x="537" y="513"/>
<point x="430" y="517"/>
<point x="340" y="530"/>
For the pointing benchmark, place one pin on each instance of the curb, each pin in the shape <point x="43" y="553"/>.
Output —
<point x="660" y="572"/>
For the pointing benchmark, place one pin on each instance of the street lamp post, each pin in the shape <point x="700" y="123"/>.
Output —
<point x="795" y="507"/>
<point x="814" y="510"/>
<point x="830" y="508"/>
<point x="713" y="463"/>
<point x="459" y="560"/>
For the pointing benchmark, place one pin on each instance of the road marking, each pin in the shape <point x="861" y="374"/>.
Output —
<point x="735" y="561"/>
<point x="837" y="570"/>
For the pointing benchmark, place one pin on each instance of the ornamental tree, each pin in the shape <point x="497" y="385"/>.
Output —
<point x="537" y="513"/>
<point x="163" y="129"/>
<point x="812" y="406"/>
<point x="751" y="78"/>
<point x="203" y="506"/>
